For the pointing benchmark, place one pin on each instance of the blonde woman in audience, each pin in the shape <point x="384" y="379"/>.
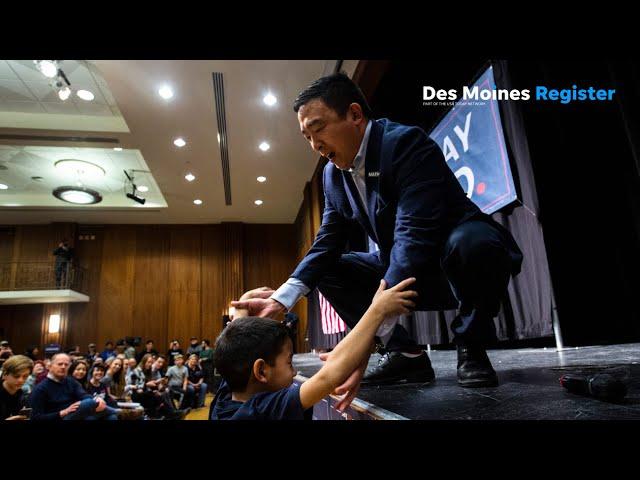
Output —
<point x="115" y="379"/>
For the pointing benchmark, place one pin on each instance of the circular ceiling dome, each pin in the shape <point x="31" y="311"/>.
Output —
<point x="80" y="167"/>
<point x="77" y="195"/>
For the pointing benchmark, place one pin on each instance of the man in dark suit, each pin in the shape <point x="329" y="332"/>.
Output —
<point x="393" y="180"/>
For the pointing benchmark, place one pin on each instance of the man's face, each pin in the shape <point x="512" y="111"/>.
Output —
<point x="132" y="363"/>
<point x="149" y="346"/>
<point x="282" y="372"/>
<point x="337" y="139"/>
<point x="60" y="366"/>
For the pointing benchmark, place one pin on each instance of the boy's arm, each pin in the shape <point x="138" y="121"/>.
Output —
<point x="355" y="347"/>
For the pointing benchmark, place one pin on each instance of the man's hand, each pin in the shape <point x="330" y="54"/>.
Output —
<point x="259" y="307"/>
<point x="350" y="388"/>
<point x="101" y="404"/>
<point x="70" y="409"/>
<point x="262" y="292"/>
<point x="16" y="417"/>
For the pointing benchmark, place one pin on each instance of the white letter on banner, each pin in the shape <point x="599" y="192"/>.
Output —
<point x="449" y="149"/>
<point x="428" y="93"/>
<point x="464" y="135"/>
<point x="468" y="173"/>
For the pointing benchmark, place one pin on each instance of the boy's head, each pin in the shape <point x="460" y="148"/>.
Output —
<point x="254" y="350"/>
<point x="178" y="360"/>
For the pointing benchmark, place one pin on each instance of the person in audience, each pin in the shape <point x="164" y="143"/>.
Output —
<point x="195" y="377"/>
<point x="43" y="374"/>
<point x="5" y="347"/>
<point x="194" y="347"/>
<point x="32" y="352"/>
<point x="60" y="397"/>
<point x="108" y="351"/>
<point x="64" y="259"/>
<point x="206" y="362"/>
<point x="129" y="349"/>
<point x="4" y="356"/>
<point x="174" y="349"/>
<point x="15" y="373"/>
<point x="156" y="398"/>
<point x="92" y="354"/>
<point x="178" y="376"/>
<point x="38" y="368"/>
<point x="148" y="348"/>
<point x="79" y="370"/>
<point x="114" y="380"/>
<point x="134" y="381"/>
<point x="254" y="356"/>
<point x="95" y="387"/>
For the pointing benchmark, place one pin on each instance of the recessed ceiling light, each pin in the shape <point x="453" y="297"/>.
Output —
<point x="118" y="149"/>
<point x="3" y="186"/>
<point x="80" y="167"/>
<point x="190" y="177"/>
<point x="85" y="95"/>
<point x="49" y="68"/>
<point x="261" y="179"/>
<point x="264" y="146"/>
<point x="12" y="205"/>
<point x="142" y="188"/>
<point x="165" y="92"/>
<point x="269" y="99"/>
<point x="179" y="142"/>
<point x="258" y="202"/>
<point x="77" y="195"/>
<point x="64" y="93"/>
<point x="197" y="201"/>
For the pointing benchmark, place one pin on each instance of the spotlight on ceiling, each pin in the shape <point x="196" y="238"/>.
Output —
<point x="142" y="188"/>
<point x="190" y="177"/>
<point x="64" y="93"/>
<point x="269" y="99"/>
<point x="197" y="201"/>
<point x="77" y="195"/>
<point x="136" y="198"/>
<point x="261" y="179"/>
<point x="258" y="202"/>
<point x="3" y="186"/>
<point x="85" y="95"/>
<point x="264" y="146"/>
<point x="179" y="142"/>
<point x="165" y="92"/>
<point x="49" y="68"/>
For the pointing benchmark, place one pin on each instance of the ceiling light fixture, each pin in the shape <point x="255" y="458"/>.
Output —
<point x="165" y="92"/>
<point x="132" y="195"/>
<point x="264" y="146"/>
<point x="77" y="195"/>
<point x="80" y="167"/>
<point x="85" y="95"/>
<point x="269" y="99"/>
<point x="49" y="68"/>
<point x="258" y="202"/>
<point x="142" y="188"/>
<point x="261" y="179"/>
<point x="179" y="142"/>
<point x="3" y="186"/>
<point x="190" y="177"/>
<point x="64" y="93"/>
<point x="118" y="149"/>
<point x="197" y="201"/>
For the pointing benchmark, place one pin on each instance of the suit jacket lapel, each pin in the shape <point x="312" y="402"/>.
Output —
<point x="356" y="203"/>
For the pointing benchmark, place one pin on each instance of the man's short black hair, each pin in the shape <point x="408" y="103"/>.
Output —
<point x="244" y="341"/>
<point x="149" y="341"/>
<point x="109" y="342"/>
<point x="337" y="91"/>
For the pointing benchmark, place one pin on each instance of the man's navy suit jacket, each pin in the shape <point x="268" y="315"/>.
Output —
<point x="413" y="203"/>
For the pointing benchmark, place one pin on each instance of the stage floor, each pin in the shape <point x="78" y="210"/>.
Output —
<point x="529" y="388"/>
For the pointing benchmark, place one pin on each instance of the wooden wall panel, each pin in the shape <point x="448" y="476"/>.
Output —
<point x="232" y="286"/>
<point x="184" y="283"/>
<point x="115" y="305"/>
<point x="213" y="305"/>
<point x="151" y="289"/>
<point x="20" y="325"/>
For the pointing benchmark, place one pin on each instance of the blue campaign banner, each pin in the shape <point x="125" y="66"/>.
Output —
<point x="472" y="141"/>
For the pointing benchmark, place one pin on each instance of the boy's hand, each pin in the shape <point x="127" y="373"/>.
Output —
<point x="394" y="301"/>
<point x="351" y="386"/>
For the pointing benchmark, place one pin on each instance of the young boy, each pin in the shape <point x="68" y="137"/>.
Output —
<point x="254" y="356"/>
<point x="178" y="376"/>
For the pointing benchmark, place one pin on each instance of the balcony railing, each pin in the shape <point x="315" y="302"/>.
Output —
<point x="42" y="276"/>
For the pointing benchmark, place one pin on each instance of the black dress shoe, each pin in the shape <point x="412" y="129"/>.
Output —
<point x="394" y="367"/>
<point x="474" y="367"/>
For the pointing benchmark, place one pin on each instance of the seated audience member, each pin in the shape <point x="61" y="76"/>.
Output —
<point x="60" y="397"/>
<point x="254" y="356"/>
<point x="32" y="352"/>
<point x="114" y="380"/>
<point x="15" y="373"/>
<point x="108" y="351"/>
<point x="4" y="347"/>
<point x="96" y="388"/>
<point x="156" y="398"/>
<point x="174" y="349"/>
<point x="194" y="347"/>
<point x="178" y="376"/>
<point x="196" y="381"/>
<point x="129" y="350"/>
<point x="38" y="368"/>
<point x="43" y="374"/>
<point x="134" y="385"/>
<point x="4" y="356"/>
<point x="206" y="362"/>
<point x="92" y="354"/>
<point x="79" y="370"/>
<point x="148" y="348"/>
<point x="120" y="347"/>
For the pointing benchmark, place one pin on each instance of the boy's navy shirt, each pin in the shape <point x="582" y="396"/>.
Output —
<point x="280" y="405"/>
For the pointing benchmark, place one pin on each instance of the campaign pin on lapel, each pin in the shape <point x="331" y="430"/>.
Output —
<point x="374" y="174"/>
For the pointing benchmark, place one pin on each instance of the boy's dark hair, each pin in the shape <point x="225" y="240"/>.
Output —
<point x="149" y="341"/>
<point x="100" y="367"/>
<point x="243" y="342"/>
<point x="337" y="91"/>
